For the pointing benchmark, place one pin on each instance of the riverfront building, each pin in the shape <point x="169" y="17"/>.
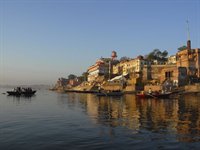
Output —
<point x="102" y="67"/>
<point x="178" y="70"/>
<point x="190" y="59"/>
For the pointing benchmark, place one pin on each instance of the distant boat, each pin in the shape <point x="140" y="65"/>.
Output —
<point x="15" y="93"/>
<point x="22" y="92"/>
<point x="109" y="93"/>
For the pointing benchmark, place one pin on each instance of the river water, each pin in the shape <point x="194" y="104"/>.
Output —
<point x="51" y="120"/>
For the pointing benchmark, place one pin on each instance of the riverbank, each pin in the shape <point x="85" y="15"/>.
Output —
<point x="188" y="89"/>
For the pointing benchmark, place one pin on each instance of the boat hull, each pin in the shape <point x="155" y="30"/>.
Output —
<point x="14" y="93"/>
<point x="29" y="93"/>
<point x="110" y="94"/>
<point x="153" y="95"/>
<point x="17" y="93"/>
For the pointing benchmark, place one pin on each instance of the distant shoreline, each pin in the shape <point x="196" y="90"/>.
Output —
<point x="35" y="86"/>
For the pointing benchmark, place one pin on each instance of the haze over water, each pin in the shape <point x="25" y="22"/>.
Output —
<point x="52" y="120"/>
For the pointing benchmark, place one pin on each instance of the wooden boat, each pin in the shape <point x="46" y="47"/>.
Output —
<point x="109" y="93"/>
<point x="28" y="93"/>
<point x="153" y="95"/>
<point x="22" y="92"/>
<point x="15" y="93"/>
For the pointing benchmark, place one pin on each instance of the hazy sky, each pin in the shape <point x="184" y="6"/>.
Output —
<point x="42" y="40"/>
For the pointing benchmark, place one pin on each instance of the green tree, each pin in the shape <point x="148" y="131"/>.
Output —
<point x="124" y="58"/>
<point x="71" y="76"/>
<point x="156" y="54"/>
<point x="85" y="75"/>
<point x="164" y="53"/>
<point x="182" y="48"/>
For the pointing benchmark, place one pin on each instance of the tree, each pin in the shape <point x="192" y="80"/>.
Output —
<point x="156" y="54"/>
<point x="71" y="76"/>
<point x="124" y="58"/>
<point x="85" y="75"/>
<point x="182" y="48"/>
<point x="164" y="53"/>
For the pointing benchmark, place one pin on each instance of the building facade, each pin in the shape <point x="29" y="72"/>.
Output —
<point x="129" y="66"/>
<point x="171" y="60"/>
<point x="190" y="59"/>
<point x="101" y="67"/>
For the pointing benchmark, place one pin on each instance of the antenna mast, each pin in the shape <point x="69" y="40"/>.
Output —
<point x="188" y="42"/>
<point x="188" y="30"/>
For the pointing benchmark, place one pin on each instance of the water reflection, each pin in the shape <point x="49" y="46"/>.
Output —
<point x="189" y="118"/>
<point x="19" y="99"/>
<point x="179" y="117"/>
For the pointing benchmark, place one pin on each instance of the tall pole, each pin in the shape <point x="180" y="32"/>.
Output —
<point x="109" y="68"/>
<point x="188" y="42"/>
<point x="188" y="29"/>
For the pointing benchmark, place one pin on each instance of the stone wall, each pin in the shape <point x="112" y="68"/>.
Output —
<point x="130" y="89"/>
<point x="192" y="88"/>
<point x="157" y="72"/>
<point x="112" y="86"/>
<point x="153" y="88"/>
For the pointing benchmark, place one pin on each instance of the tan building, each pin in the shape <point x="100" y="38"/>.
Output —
<point x="189" y="58"/>
<point x="118" y="68"/>
<point x="159" y="73"/>
<point x="171" y="60"/>
<point x="129" y="66"/>
<point x="101" y="67"/>
<point x="62" y="82"/>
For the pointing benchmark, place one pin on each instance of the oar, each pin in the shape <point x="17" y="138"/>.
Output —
<point x="152" y="95"/>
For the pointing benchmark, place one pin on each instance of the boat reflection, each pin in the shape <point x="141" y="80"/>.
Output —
<point x="180" y="117"/>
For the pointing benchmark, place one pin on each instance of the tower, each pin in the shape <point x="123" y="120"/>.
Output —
<point x="113" y="55"/>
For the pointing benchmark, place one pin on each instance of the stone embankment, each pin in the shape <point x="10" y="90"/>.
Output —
<point x="192" y="88"/>
<point x="128" y="88"/>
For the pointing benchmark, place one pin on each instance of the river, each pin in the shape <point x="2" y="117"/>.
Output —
<point x="51" y="120"/>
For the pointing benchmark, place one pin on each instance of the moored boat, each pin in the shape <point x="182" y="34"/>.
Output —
<point x="153" y="95"/>
<point x="110" y="93"/>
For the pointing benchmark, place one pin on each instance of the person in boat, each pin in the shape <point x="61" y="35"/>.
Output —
<point x="150" y="91"/>
<point x="18" y="89"/>
<point x="99" y="89"/>
<point x="162" y="91"/>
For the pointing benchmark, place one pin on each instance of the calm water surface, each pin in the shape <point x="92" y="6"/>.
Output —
<point x="51" y="120"/>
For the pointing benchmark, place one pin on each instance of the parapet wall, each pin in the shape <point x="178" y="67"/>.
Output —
<point x="192" y="88"/>
<point x="153" y="87"/>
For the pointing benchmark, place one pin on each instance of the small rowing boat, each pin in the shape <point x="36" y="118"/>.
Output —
<point x="153" y="95"/>
<point x="109" y="93"/>
<point x="22" y="92"/>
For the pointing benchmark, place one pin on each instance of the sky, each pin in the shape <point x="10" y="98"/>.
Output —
<point x="42" y="40"/>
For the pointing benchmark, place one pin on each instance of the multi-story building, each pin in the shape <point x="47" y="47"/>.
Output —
<point x="190" y="59"/>
<point x="101" y="67"/>
<point x="171" y="60"/>
<point x="129" y="66"/>
<point x="118" y="68"/>
<point x="62" y="82"/>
